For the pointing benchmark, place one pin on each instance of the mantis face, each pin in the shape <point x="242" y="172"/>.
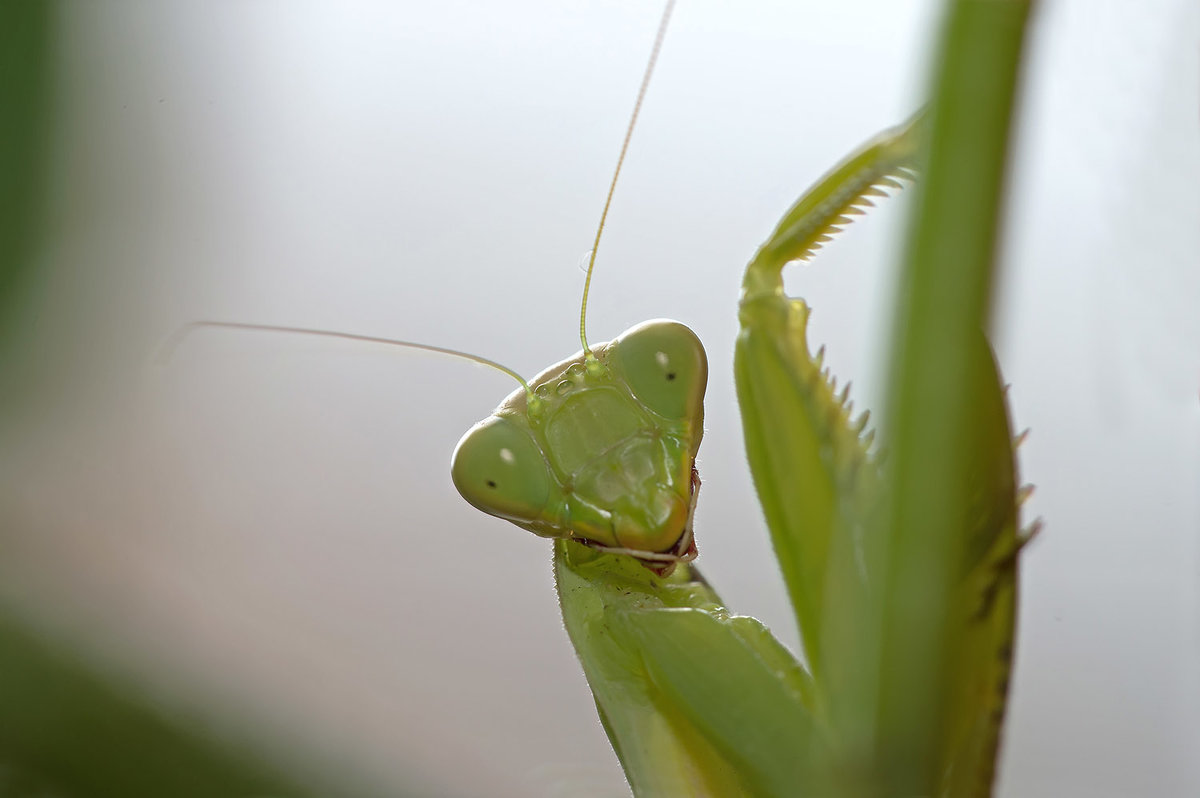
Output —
<point x="605" y="455"/>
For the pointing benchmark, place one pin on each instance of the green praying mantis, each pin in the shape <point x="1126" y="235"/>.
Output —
<point x="598" y="453"/>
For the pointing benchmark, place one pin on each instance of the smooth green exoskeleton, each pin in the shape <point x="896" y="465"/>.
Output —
<point x="604" y="455"/>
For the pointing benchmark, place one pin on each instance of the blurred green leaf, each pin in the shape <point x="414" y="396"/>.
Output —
<point x="26" y="83"/>
<point x="65" y="729"/>
<point x="74" y="733"/>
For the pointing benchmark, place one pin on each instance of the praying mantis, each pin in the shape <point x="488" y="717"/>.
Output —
<point x="698" y="701"/>
<point x="598" y="453"/>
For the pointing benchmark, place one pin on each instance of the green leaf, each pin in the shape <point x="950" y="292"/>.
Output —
<point x="71" y="733"/>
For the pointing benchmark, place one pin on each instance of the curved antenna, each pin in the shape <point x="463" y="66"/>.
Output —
<point x="637" y="107"/>
<point x="532" y="401"/>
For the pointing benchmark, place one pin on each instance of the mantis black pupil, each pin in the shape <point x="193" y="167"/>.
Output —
<point x="670" y="375"/>
<point x="491" y="483"/>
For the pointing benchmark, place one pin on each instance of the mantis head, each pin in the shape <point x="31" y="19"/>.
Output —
<point x="606" y="455"/>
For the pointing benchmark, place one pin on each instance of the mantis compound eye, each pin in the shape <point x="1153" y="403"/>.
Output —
<point x="665" y="366"/>
<point x="499" y="469"/>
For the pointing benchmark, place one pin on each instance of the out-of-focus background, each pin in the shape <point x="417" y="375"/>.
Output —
<point x="262" y="530"/>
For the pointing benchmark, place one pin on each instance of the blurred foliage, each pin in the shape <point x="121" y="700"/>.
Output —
<point x="26" y="81"/>
<point x="65" y="729"/>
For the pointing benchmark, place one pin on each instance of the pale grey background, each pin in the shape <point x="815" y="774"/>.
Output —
<point x="267" y="525"/>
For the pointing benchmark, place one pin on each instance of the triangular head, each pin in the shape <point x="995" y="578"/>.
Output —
<point x="605" y="453"/>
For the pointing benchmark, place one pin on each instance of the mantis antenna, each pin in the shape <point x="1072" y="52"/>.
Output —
<point x="532" y="401"/>
<point x="590" y="359"/>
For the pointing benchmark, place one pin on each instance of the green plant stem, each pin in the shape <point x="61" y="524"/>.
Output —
<point x="944" y="301"/>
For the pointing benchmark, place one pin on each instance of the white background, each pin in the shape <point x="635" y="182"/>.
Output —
<point x="263" y="529"/>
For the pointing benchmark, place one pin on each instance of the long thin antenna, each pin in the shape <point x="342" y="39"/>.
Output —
<point x="637" y="107"/>
<point x="178" y="338"/>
